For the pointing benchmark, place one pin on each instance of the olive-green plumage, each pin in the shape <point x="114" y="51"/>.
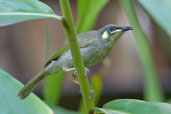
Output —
<point x="94" y="46"/>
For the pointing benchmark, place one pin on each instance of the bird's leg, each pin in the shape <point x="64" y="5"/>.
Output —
<point x="75" y="80"/>
<point x="86" y="72"/>
<point x="67" y="69"/>
<point x="92" y="93"/>
<point x="74" y="76"/>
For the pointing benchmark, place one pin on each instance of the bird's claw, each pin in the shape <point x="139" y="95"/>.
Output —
<point x="86" y="72"/>
<point x="75" y="73"/>
<point x="92" y="93"/>
<point x="91" y="90"/>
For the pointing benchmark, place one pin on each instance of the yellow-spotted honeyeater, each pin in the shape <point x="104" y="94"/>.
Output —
<point x="94" y="45"/>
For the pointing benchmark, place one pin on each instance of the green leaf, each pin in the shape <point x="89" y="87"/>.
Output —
<point x="15" y="11"/>
<point x="53" y="86"/>
<point x="138" y="106"/>
<point x="11" y="104"/>
<point x="87" y="16"/>
<point x="107" y="111"/>
<point x="160" y="11"/>
<point x="169" y="101"/>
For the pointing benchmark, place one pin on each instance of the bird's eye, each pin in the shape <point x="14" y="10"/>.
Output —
<point x="112" y="28"/>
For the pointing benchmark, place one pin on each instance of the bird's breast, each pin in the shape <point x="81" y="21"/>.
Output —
<point x="94" y="54"/>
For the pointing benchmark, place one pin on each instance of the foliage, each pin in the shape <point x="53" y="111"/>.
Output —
<point x="130" y="106"/>
<point x="11" y="104"/>
<point x="85" y="11"/>
<point x="15" y="11"/>
<point x="159" y="10"/>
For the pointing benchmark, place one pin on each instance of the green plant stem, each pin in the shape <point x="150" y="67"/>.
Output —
<point x="152" y="87"/>
<point x="97" y="86"/>
<point x="70" y="34"/>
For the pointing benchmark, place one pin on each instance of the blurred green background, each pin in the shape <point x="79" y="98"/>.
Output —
<point x="23" y="53"/>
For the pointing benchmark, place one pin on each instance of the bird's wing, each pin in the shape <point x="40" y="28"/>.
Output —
<point x="57" y="53"/>
<point x="83" y="41"/>
<point x="86" y="38"/>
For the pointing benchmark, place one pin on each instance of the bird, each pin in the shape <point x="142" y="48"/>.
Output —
<point x="94" y="45"/>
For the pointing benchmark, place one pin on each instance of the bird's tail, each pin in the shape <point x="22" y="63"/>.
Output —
<point x="31" y="85"/>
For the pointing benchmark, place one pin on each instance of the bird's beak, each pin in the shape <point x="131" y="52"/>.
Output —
<point x="122" y="29"/>
<point x="126" y="28"/>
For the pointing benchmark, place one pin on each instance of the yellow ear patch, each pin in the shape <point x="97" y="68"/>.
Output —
<point x="105" y="35"/>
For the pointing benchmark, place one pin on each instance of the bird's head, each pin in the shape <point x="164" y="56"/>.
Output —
<point x="111" y="32"/>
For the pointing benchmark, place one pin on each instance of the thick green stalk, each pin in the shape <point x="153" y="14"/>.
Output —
<point x="97" y="86"/>
<point x="70" y="34"/>
<point x="152" y="87"/>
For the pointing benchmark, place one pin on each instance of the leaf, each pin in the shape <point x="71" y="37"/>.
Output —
<point x="138" y="107"/>
<point x="15" y="11"/>
<point x="107" y="111"/>
<point x="52" y="88"/>
<point x="169" y="101"/>
<point x="11" y="104"/>
<point x="159" y="10"/>
<point x="87" y="16"/>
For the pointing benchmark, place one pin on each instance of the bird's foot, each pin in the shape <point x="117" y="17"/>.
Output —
<point x="86" y="72"/>
<point x="74" y="76"/>
<point x="92" y="93"/>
